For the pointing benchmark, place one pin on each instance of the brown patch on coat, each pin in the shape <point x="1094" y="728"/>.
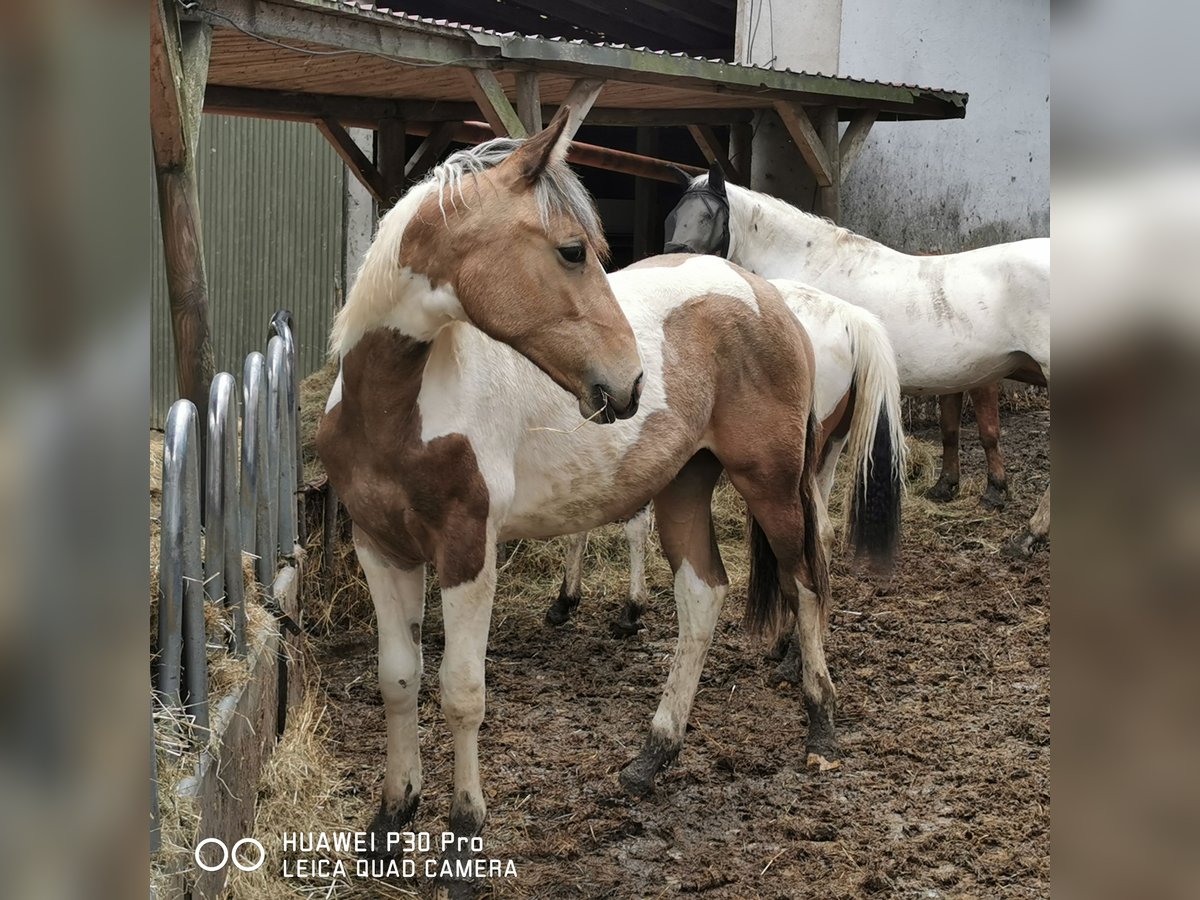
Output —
<point x="662" y="261"/>
<point x="836" y="425"/>
<point x="417" y="502"/>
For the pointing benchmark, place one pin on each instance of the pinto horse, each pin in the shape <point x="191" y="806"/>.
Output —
<point x="857" y="400"/>
<point x="958" y="322"/>
<point x="477" y="344"/>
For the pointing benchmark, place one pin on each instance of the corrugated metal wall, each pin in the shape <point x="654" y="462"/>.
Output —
<point x="271" y="196"/>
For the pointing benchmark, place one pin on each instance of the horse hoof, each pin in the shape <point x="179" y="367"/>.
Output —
<point x="790" y="668"/>
<point x="996" y="494"/>
<point x="561" y="610"/>
<point x="635" y="782"/>
<point x="944" y="491"/>
<point x="395" y="820"/>
<point x="1022" y="546"/>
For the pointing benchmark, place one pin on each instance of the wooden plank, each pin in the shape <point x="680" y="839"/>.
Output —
<point x="224" y="789"/>
<point x="492" y="102"/>
<point x="710" y="146"/>
<point x="427" y="155"/>
<point x="356" y="161"/>
<point x="800" y="127"/>
<point x="365" y="112"/>
<point x="580" y="98"/>
<point x="529" y="104"/>
<point x="391" y="157"/>
<point x="854" y="138"/>
<point x="829" y="197"/>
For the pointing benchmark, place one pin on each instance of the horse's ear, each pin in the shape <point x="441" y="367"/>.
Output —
<point x="547" y="147"/>
<point x="681" y="176"/>
<point x="716" y="180"/>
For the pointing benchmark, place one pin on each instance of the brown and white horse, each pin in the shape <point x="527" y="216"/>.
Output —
<point x="479" y="330"/>
<point x="856" y="397"/>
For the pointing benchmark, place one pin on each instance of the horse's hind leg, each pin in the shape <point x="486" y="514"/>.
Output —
<point x="637" y="533"/>
<point x="399" y="598"/>
<point x="572" y="584"/>
<point x="684" y="516"/>
<point x="778" y="509"/>
<point x="986" y="401"/>
<point x="946" y="489"/>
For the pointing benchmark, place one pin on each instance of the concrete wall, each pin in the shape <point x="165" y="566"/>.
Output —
<point x="921" y="186"/>
<point x="941" y="186"/>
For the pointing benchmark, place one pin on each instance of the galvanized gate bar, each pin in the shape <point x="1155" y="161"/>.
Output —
<point x="223" y="535"/>
<point x="256" y="480"/>
<point x="284" y="325"/>
<point x="279" y="446"/>
<point x="181" y="572"/>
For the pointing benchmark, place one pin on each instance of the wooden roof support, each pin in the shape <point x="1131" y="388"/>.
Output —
<point x="356" y="161"/>
<point x="178" y="72"/>
<point x="391" y="158"/>
<point x="800" y="127"/>
<point x="427" y="155"/>
<point x="710" y="146"/>
<point x="829" y="197"/>
<point x="580" y="98"/>
<point x="493" y="103"/>
<point x="854" y="138"/>
<point x="529" y="102"/>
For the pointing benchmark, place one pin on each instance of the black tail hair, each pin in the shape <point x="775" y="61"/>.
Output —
<point x="766" y="604"/>
<point x="875" y="506"/>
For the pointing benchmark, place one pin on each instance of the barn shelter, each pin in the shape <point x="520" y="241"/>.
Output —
<point x="422" y="84"/>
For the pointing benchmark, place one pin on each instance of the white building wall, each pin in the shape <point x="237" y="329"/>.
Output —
<point x="943" y="186"/>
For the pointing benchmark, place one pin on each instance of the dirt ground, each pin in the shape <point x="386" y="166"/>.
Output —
<point x="944" y="685"/>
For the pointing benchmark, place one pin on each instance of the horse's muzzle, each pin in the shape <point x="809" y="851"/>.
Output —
<point x="611" y="408"/>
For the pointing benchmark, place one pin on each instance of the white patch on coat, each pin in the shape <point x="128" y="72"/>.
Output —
<point x="335" y="393"/>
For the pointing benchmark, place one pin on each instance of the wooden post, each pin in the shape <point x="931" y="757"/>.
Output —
<point x="178" y="72"/>
<point x="741" y="149"/>
<point x="645" y="192"/>
<point x="529" y="103"/>
<point x="391" y="157"/>
<point x="829" y="197"/>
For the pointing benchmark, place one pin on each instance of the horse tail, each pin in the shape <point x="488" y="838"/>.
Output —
<point x="875" y="442"/>
<point x="766" y="604"/>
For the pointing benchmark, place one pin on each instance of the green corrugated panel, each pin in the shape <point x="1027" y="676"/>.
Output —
<point x="271" y="205"/>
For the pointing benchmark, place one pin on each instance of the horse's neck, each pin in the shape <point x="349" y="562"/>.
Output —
<point x="779" y="241"/>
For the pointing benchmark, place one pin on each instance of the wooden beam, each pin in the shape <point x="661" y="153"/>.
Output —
<point x="741" y="150"/>
<point x="391" y="158"/>
<point x="365" y="112"/>
<point x="493" y="103"/>
<point x="580" y="98"/>
<point x="179" y="70"/>
<point x="529" y="103"/>
<point x="854" y="138"/>
<point x="800" y="127"/>
<point x="646" y="219"/>
<point x="356" y="161"/>
<point x="710" y="146"/>
<point x="427" y="155"/>
<point x="829" y="197"/>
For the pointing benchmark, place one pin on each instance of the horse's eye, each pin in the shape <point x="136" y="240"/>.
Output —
<point x="572" y="254"/>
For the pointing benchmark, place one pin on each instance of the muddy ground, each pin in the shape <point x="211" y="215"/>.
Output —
<point x="944" y="684"/>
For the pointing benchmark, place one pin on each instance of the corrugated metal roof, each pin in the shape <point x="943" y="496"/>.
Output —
<point x="449" y="26"/>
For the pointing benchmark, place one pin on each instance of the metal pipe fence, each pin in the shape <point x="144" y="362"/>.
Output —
<point x="249" y="491"/>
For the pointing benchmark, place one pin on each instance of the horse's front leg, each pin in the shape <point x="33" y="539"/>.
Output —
<point x="399" y="598"/>
<point x="467" y="615"/>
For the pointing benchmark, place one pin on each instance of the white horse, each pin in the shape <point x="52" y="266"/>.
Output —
<point x="957" y="322"/>
<point x="857" y="391"/>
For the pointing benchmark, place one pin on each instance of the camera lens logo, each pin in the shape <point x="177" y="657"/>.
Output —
<point x="238" y="858"/>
